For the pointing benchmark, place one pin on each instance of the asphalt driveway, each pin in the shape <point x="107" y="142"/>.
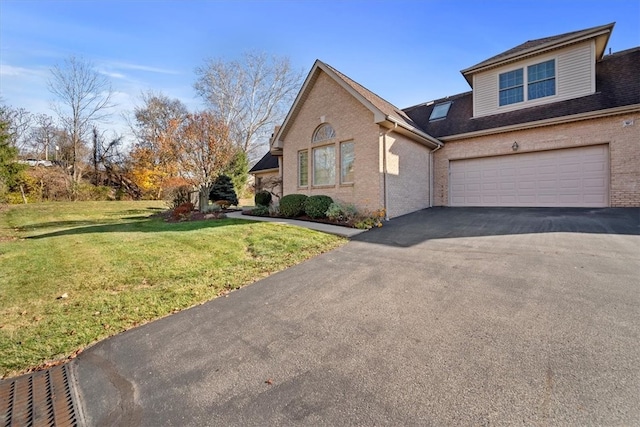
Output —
<point x="443" y="317"/>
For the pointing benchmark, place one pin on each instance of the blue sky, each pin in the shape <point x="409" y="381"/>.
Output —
<point x="408" y="52"/>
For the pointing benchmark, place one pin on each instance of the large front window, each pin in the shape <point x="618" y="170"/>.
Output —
<point x="324" y="165"/>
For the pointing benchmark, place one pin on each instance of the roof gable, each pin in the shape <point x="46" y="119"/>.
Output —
<point x="384" y="112"/>
<point x="535" y="47"/>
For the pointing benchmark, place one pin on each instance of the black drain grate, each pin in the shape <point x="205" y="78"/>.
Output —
<point x="39" y="399"/>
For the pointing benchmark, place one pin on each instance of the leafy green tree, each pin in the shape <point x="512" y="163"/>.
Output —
<point x="238" y="171"/>
<point x="222" y="189"/>
<point x="10" y="171"/>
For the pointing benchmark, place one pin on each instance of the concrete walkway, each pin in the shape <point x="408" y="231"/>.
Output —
<point x="325" y="228"/>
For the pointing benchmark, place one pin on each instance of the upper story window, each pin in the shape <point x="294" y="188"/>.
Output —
<point x="540" y="82"/>
<point x="541" y="79"/>
<point x="511" y="87"/>
<point x="323" y="133"/>
<point x="440" y="111"/>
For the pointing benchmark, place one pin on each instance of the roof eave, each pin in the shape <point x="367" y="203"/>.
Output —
<point x="411" y="131"/>
<point x="546" y="122"/>
<point x="264" y="170"/>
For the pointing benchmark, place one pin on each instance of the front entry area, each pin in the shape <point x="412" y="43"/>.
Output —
<point x="571" y="177"/>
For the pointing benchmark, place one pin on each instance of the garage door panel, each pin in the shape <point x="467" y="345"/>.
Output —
<point x="567" y="177"/>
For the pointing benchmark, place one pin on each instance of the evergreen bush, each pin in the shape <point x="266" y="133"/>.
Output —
<point x="317" y="206"/>
<point x="262" y="198"/>
<point x="222" y="189"/>
<point x="292" y="205"/>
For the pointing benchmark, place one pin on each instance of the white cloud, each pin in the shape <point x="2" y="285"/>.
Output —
<point x="138" y="67"/>
<point x="11" y="71"/>
<point x="113" y="75"/>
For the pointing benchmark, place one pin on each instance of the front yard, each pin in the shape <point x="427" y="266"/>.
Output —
<point x="75" y="273"/>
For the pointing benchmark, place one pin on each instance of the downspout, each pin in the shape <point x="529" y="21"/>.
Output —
<point x="431" y="174"/>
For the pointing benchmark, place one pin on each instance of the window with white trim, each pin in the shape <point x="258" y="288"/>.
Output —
<point x="347" y="157"/>
<point x="511" y="87"/>
<point x="540" y="81"/>
<point x="303" y="168"/>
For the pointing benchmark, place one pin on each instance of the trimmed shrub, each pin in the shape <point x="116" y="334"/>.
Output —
<point x="222" y="189"/>
<point x="292" y="205"/>
<point x="262" y="198"/>
<point x="260" y="210"/>
<point x="317" y="206"/>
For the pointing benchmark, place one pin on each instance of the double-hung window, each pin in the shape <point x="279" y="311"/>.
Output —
<point x="540" y="81"/>
<point x="511" y="87"/>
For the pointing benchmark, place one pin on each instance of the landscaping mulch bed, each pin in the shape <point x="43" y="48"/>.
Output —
<point x="308" y="219"/>
<point x="167" y="215"/>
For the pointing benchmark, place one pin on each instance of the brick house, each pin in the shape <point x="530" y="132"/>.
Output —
<point x="551" y="122"/>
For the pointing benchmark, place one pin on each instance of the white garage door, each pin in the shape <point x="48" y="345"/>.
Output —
<point x="570" y="177"/>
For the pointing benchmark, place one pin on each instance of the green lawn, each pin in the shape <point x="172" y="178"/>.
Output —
<point x="119" y="268"/>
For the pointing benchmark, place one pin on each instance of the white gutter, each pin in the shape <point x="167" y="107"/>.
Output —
<point x="415" y="131"/>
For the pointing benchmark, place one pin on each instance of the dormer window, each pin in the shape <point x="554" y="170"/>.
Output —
<point x="511" y="87"/>
<point x="540" y="82"/>
<point x="542" y="79"/>
<point x="440" y="111"/>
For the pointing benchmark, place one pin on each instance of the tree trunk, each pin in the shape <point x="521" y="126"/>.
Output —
<point x="204" y="198"/>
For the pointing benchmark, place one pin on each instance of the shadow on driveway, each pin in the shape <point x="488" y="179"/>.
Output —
<point x="447" y="223"/>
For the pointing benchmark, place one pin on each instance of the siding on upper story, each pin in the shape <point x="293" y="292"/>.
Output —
<point x="575" y="77"/>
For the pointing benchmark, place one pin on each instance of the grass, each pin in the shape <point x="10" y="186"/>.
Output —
<point x="121" y="267"/>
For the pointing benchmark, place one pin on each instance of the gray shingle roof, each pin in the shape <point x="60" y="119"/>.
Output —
<point x="617" y="85"/>
<point x="268" y="161"/>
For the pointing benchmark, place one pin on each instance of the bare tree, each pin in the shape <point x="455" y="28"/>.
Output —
<point x="154" y="118"/>
<point x="84" y="97"/>
<point x="42" y="137"/>
<point x="19" y="122"/>
<point x="251" y="96"/>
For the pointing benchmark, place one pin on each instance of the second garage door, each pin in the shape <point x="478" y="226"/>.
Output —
<point x="573" y="177"/>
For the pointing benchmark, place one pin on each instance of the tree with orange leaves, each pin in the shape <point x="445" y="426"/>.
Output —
<point x="154" y="159"/>
<point x="204" y="151"/>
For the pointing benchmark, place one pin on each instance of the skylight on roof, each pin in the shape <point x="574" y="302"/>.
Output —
<point x="440" y="111"/>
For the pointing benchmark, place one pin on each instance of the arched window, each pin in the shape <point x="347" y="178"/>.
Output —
<point x="323" y="133"/>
